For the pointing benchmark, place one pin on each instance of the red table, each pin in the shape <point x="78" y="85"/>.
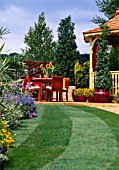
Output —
<point x="39" y="82"/>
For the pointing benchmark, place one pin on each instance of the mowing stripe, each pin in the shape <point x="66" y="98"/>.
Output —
<point x="91" y="147"/>
<point x="46" y="141"/>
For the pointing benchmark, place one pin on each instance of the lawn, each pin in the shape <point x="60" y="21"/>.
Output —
<point x="67" y="138"/>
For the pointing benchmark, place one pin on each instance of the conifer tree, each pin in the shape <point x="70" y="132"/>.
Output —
<point x="103" y="76"/>
<point x="107" y="7"/>
<point x="66" y="49"/>
<point x="39" y="41"/>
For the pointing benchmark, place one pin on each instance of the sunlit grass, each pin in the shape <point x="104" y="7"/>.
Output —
<point x="66" y="137"/>
<point x="45" y="142"/>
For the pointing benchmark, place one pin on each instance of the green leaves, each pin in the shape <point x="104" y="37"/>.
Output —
<point x="2" y="47"/>
<point x="103" y="76"/>
<point x="3" y="31"/>
<point x="107" y="7"/>
<point x="39" y="41"/>
<point x="66" y="50"/>
<point x="3" y="68"/>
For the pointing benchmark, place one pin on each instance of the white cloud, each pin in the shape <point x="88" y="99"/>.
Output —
<point x="82" y="22"/>
<point x="19" y="19"/>
<point x="13" y="43"/>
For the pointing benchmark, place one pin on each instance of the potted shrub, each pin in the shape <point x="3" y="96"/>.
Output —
<point x="81" y="94"/>
<point x="81" y="73"/>
<point x="90" y="96"/>
<point x="117" y="95"/>
<point x="103" y="80"/>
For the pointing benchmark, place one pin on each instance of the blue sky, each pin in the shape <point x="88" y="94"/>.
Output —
<point x="19" y="15"/>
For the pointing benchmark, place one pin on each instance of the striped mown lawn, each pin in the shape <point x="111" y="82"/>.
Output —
<point x="67" y="138"/>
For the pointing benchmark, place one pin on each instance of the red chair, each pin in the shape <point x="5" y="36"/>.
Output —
<point x="34" y="91"/>
<point x="66" y="86"/>
<point x="26" y="83"/>
<point x="57" y="86"/>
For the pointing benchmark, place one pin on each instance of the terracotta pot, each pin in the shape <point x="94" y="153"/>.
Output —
<point x="91" y="99"/>
<point x="101" y="96"/>
<point x="81" y="98"/>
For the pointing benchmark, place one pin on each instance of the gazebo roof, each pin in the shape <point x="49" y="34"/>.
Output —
<point x="113" y="27"/>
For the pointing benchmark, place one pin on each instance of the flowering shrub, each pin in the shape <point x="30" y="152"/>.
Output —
<point x="16" y="105"/>
<point x="81" y="73"/>
<point x="6" y="138"/>
<point x="90" y="92"/>
<point x="117" y="94"/>
<point x="12" y="114"/>
<point x="81" y="92"/>
<point x="9" y="105"/>
<point x="28" y="106"/>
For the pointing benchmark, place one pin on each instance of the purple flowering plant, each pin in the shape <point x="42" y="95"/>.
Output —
<point x="16" y="105"/>
<point x="28" y="106"/>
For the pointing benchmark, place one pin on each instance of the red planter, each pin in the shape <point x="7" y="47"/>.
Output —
<point x="91" y="99"/>
<point x="81" y="98"/>
<point x="117" y="101"/>
<point x="101" y="96"/>
<point x="73" y="96"/>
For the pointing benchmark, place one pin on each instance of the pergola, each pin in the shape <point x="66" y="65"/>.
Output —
<point x="91" y="36"/>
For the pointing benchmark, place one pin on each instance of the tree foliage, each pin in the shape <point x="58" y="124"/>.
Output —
<point x="3" y="31"/>
<point x="103" y="76"/>
<point x="81" y="72"/>
<point x="113" y="59"/>
<point x="39" y="41"/>
<point x="66" y="49"/>
<point x="16" y="64"/>
<point x="107" y="7"/>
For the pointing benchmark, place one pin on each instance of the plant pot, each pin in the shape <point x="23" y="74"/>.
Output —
<point x="91" y="99"/>
<point x="117" y="101"/>
<point x="101" y="96"/>
<point x="73" y="96"/>
<point x="81" y="98"/>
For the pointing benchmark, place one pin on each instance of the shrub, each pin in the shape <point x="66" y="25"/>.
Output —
<point x="16" y="105"/>
<point x="117" y="94"/>
<point x="103" y="76"/>
<point x="81" y="92"/>
<point x="12" y="114"/>
<point x="81" y="73"/>
<point x="6" y="138"/>
<point x="28" y="106"/>
<point x="90" y="92"/>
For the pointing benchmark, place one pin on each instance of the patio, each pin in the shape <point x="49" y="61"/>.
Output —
<point x="112" y="107"/>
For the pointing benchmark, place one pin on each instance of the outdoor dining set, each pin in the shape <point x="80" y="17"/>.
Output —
<point x="44" y="88"/>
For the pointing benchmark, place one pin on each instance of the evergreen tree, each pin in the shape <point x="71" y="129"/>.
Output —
<point x="66" y="49"/>
<point x="107" y="7"/>
<point x="103" y="76"/>
<point x="113" y="59"/>
<point x="39" y="41"/>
